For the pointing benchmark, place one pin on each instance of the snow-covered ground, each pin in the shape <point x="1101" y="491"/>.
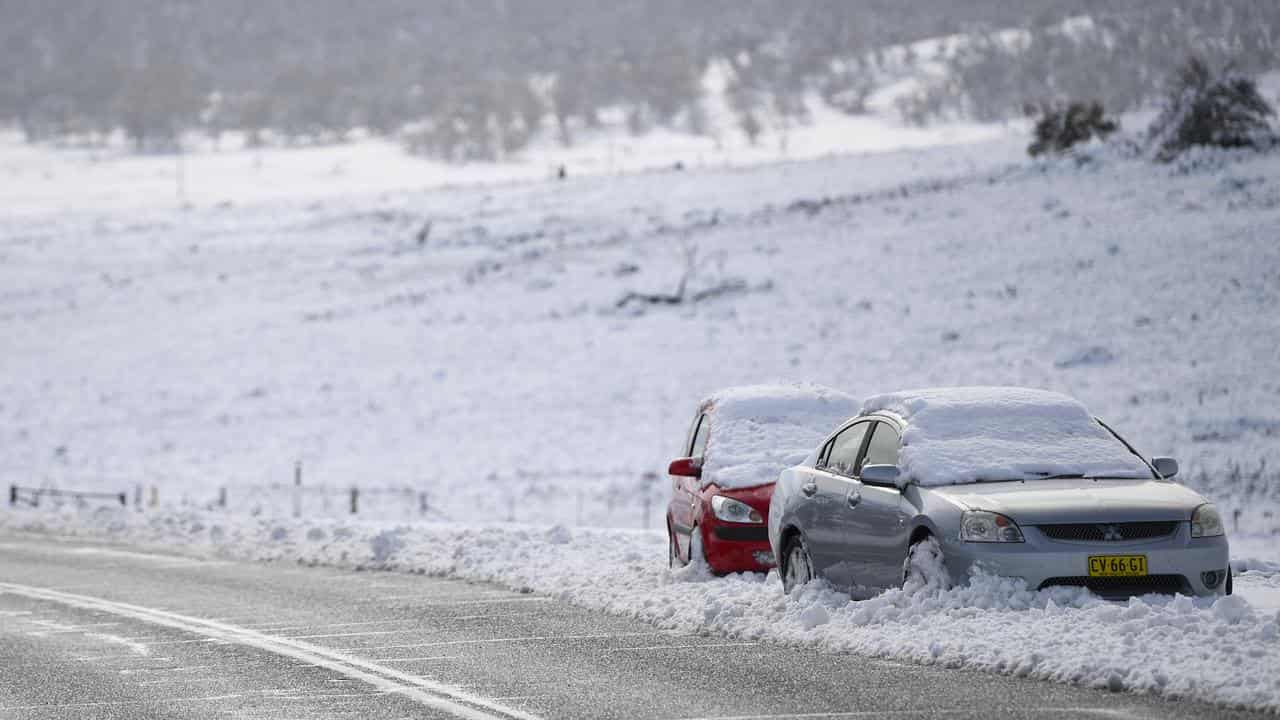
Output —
<point x="467" y="342"/>
<point x="491" y="366"/>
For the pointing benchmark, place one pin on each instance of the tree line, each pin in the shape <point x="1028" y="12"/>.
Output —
<point x="468" y="80"/>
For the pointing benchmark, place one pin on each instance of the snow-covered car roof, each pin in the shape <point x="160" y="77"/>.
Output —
<point x="757" y="431"/>
<point x="965" y="434"/>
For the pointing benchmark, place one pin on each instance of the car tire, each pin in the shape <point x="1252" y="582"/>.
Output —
<point x="923" y="566"/>
<point x="673" y="554"/>
<point x="1229" y="573"/>
<point x="797" y="567"/>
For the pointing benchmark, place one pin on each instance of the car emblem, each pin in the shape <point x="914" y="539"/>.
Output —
<point x="1111" y="532"/>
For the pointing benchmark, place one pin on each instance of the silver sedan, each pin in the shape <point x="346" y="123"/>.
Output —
<point x="866" y="510"/>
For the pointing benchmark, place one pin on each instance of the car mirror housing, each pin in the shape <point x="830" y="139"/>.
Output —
<point x="685" y="467"/>
<point x="881" y="474"/>
<point x="1167" y="467"/>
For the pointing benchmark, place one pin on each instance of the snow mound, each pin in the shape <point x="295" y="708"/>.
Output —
<point x="965" y="434"/>
<point x="759" y="430"/>
<point x="1220" y="650"/>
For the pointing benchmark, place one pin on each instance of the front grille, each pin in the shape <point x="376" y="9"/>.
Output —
<point x="741" y="534"/>
<point x="1109" y="532"/>
<point x="1112" y="587"/>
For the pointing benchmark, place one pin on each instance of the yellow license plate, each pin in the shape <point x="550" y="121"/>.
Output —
<point x="1117" y="565"/>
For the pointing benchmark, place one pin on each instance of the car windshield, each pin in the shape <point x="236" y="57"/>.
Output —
<point x="965" y="435"/>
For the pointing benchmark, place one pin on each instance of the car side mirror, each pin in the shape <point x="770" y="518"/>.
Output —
<point x="685" y="467"/>
<point x="880" y="474"/>
<point x="1167" y="467"/>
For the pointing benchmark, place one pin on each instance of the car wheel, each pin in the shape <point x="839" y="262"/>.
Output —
<point x="797" y="567"/>
<point x="673" y="552"/>
<point x="1229" y="579"/>
<point x="923" y="567"/>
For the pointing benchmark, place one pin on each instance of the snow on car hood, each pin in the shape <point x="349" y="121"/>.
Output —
<point x="965" y="434"/>
<point x="759" y="430"/>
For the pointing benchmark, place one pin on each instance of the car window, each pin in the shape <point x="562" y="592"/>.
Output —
<point x="844" y="449"/>
<point x="883" y="447"/>
<point x="699" y="445"/>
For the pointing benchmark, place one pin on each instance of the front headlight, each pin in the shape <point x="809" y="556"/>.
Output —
<point x="731" y="510"/>
<point x="988" y="527"/>
<point x="1206" y="522"/>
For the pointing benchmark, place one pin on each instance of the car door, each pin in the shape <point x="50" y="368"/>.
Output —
<point x="874" y="523"/>
<point x="684" y="495"/>
<point x="823" y="497"/>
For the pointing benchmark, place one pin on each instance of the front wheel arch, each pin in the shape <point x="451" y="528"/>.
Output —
<point x="784" y="539"/>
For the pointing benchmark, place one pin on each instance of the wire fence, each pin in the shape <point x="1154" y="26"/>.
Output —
<point x="1248" y="496"/>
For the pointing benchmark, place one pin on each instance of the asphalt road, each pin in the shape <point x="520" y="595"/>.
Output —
<point x="90" y="631"/>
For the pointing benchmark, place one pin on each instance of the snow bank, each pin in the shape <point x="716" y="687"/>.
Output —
<point x="1223" y="651"/>
<point x="965" y="434"/>
<point x="757" y="431"/>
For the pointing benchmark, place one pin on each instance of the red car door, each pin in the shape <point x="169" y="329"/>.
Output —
<point x="685" y="490"/>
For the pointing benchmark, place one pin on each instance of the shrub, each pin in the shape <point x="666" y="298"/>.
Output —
<point x="1214" y="109"/>
<point x="1060" y="127"/>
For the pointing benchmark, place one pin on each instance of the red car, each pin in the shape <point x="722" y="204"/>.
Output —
<point x="740" y="440"/>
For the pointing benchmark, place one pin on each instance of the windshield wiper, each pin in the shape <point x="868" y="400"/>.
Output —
<point x="1080" y="476"/>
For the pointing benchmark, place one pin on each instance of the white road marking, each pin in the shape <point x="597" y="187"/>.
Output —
<point x="133" y="645"/>
<point x="175" y="560"/>
<point x="430" y="693"/>
<point x="213" y="641"/>
<point x="679" y="647"/>
<point x="484" y="641"/>
<point x="417" y="659"/>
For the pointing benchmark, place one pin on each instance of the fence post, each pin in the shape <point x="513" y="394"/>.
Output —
<point x="222" y="497"/>
<point x="155" y="496"/>
<point x="13" y="495"/>
<point x="1235" y="520"/>
<point x="422" y="503"/>
<point x="124" y="500"/>
<point x="355" y="500"/>
<point x="297" y="489"/>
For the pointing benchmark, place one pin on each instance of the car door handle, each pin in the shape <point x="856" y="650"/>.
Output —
<point x="809" y="489"/>
<point x="853" y="498"/>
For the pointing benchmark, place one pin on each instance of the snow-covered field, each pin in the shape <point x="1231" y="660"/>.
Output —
<point x="494" y="366"/>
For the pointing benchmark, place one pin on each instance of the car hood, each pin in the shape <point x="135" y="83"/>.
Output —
<point x="1068" y="501"/>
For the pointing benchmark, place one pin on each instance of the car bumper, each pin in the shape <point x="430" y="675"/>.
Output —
<point x="1176" y="563"/>
<point x="737" y="548"/>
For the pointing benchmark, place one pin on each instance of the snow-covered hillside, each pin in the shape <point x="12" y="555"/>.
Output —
<point x="470" y="342"/>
